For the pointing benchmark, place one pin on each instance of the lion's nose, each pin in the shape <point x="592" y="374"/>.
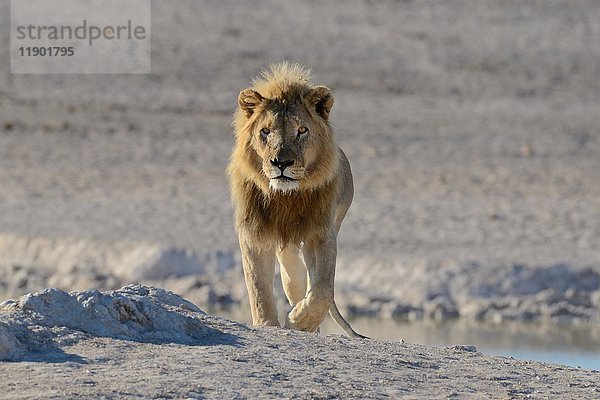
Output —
<point x="282" y="164"/>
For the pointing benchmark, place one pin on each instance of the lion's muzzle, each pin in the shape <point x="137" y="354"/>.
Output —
<point x="282" y="164"/>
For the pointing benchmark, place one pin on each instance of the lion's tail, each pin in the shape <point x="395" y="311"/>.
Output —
<point x="342" y="323"/>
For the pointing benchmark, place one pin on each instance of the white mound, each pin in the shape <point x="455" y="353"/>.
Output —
<point x="133" y="312"/>
<point x="10" y="347"/>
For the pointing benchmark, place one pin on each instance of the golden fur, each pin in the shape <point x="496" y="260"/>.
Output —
<point x="283" y="217"/>
<point x="291" y="187"/>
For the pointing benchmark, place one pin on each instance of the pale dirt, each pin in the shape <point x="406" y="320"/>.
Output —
<point x="142" y="342"/>
<point x="472" y="130"/>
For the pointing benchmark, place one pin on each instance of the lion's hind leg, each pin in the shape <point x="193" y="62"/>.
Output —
<point x="293" y="273"/>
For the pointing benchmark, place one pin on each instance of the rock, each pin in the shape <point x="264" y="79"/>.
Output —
<point x="10" y="347"/>
<point x="464" y="348"/>
<point x="133" y="312"/>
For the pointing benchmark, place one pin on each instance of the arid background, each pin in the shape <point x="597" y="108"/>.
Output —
<point x="473" y="131"/>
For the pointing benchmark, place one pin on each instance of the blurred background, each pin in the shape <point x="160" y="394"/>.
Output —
<point x="473" y="131"/>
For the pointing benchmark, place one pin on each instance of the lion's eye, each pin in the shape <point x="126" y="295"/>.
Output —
<point x="265" y="132"/>
<point x="302" y="130"/>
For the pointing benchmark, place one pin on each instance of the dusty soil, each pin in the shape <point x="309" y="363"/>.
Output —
<point x="473" y="133"/>
<point x="143" y="342"/>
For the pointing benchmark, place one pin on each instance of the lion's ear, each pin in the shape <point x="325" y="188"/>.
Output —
<point x="248" y="100"/>
<point x="321" y="99"/>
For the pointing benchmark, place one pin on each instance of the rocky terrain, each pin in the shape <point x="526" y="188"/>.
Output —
<point x="142" y="342"/>
<point x="473" y="134"/>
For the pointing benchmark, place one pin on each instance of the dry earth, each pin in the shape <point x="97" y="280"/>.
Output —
<point x="472" y="129"/>
<point x="142" y="342"/>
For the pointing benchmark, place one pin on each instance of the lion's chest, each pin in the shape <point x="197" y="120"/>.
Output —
<point x="290" y="218"/>
<point x="285" y="217"/>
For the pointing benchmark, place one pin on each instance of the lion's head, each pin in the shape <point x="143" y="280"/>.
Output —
<point x="284" y="142"/>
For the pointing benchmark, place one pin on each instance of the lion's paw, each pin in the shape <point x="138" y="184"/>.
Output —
<point x="306" y="316"/>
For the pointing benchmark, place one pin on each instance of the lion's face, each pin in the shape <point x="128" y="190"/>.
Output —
<point x="291" y="138"/>
<point x="283" y="139"/>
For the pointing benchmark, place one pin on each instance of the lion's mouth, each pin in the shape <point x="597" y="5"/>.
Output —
<point x="285" y="178"/>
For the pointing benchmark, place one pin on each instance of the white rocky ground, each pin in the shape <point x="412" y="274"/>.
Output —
<point x="142" y="342"/>
<point x="472" y="129"/>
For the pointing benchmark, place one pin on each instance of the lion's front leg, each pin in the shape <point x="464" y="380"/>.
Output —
<point x="259" y="272"/>
<point x="320" y="257"/>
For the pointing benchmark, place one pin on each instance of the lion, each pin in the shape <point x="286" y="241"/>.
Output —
<point x="290" y="187"/>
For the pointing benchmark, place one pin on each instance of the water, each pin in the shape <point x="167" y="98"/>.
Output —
<point x="566" y="345"/>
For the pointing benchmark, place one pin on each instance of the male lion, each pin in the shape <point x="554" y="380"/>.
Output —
<point x="291" y="187"/>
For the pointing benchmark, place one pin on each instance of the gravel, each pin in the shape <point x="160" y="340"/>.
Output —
<point x="142" y="342"/>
